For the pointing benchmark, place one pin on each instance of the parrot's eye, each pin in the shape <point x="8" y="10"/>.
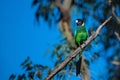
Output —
<point x="79" y="22"/>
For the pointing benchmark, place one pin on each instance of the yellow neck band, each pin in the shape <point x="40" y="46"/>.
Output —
<point x="83" y="24"/>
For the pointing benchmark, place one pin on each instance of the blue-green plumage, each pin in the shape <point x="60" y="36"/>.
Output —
<point x="81" y="35"/>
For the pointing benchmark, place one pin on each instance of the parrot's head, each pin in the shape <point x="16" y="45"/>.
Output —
<point x="79" y="22"/>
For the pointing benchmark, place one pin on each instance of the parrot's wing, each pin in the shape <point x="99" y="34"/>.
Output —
<point x="87" y="33"/>
<point x="75" y="32"/>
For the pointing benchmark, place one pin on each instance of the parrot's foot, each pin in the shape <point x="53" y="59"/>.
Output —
<point x="84" y="43"/>
<point x="80" y="46"/>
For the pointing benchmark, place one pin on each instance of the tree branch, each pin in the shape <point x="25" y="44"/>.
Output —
<point x="116" y="17"/>
<point x="74" y="54"/>
<point x="113" y="11"/>
<point x="117" y="35"/>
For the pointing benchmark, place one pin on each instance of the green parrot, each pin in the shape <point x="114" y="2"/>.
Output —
<point x="81" y="34"/>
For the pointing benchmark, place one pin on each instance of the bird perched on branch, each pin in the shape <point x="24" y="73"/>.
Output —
<point x="81" y="34"/>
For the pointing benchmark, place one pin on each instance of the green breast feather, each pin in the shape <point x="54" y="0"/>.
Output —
<point x="81" y="34"/>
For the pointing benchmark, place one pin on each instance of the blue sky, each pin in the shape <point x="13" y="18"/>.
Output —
<point x="20" y="36"/>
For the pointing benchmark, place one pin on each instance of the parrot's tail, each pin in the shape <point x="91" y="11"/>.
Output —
<point x="78" y="64"/>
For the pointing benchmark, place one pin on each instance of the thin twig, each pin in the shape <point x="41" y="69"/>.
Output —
<point x="113" y="11"/>
<point x="75" y="53"/>
<point x="117" y="35"/>
<point x="116" y="17"/>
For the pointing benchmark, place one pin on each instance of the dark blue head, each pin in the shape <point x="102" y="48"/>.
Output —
<point x="79" y="22"/>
